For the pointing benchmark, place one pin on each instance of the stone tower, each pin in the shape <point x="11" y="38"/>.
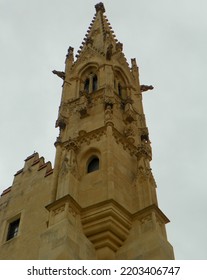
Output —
<point x="99" y="201"/>
<point x="105" y="204"/>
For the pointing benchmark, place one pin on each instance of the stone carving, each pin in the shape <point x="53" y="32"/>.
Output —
<point x="146" y="88"/>
<point x="69" y="164"/>
<point x="108" y="114"/>
<point x="82" y="107"/>
<point x="109" y="52"/>
<point x="72" y="144"/>
<point x="119" y="46"/>
<point x="129" y="131"/>
<point x="144" y="150"/>
<point x="70" y="52"/>
<point x="127" y="145"/>
<point x="129" y="113"/>
<point x="58" y="210"/>
<point x="100" y="7"/>
<point x="59" y="74"/>
<point x="61" y="123"/>
<point x="72" y="211"/>
<point x="95" y="134"/>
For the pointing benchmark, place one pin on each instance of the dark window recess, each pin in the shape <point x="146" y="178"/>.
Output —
<point x="86" y="85"/>
<point x="95" y="83"/>
<point x="145" y="138"/>
<point x="119" y="90"/>
<point x="13" y="229"/>
<point x="93" y="165"/>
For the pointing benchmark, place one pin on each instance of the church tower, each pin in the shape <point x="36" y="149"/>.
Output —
<point x="104" y="203"/>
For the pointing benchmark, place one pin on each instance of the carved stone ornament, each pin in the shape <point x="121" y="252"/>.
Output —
<point x="72" y="144"/>
<point x="129" y="131"/>
<point x="93" y="135"/>
<point x="100" y="7"/>
<point x="82" y="107"/>
<point x="108" y="114"/>
<point x="144" y="150"/>
<point x="70" y="52"/>
<point x="61" y="123"/>
<point x="109" y="52"/>
<point x="146" y="88"/>
<point x="119" y="46"/>
<point x="58" y="210"/>
<point x="69" y="164"/>
<point x="60" y="74"/>
<point x="129" y="113"/>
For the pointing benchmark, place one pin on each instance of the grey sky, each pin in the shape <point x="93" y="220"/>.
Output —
<point x="168" y="39"/>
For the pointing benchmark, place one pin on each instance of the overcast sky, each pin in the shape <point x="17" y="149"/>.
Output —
<point x="169" y="40"/>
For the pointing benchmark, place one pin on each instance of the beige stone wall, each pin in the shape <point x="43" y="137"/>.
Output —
<point x="27" y="198"/>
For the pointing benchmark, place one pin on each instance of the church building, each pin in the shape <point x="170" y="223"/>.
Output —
<point x="99" y="200"/>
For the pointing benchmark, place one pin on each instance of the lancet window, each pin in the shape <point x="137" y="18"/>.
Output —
<point x="91" y="83"/>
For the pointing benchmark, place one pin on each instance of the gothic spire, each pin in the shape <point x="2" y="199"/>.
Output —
<point x="100" y="36"/>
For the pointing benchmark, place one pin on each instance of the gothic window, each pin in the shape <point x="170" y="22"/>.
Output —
<point x="13" y="229"/>
<point x="91" y="83"/>
<point x="120" y="84"/>
<point x="93" y="165"/>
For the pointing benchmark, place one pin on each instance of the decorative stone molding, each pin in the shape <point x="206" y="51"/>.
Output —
<point x="58" y="210"/>
<point x="61" y="208"/>
<point x="151" y="212"/>
<point x="127" y="144"/>
<point x="144" y="150"/>
<point x="108" y="114"/>
<point x="106" y="224"/>
<point x="144" y="135"/>
<point x="72" y="144"/>
<point x="69" y="164"/>
<point x="129" y="113"/>
<point x="94" y="134"/>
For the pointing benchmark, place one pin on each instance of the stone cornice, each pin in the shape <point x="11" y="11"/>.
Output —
<point x="142" y="214"/>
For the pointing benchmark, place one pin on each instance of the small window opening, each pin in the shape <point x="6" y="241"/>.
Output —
<point x="13" y="229"/>
<point x="86" y="85"/>
<point x="119" y="90"/>
<point x="93" y="165"/>
<point x="95" y="83"/>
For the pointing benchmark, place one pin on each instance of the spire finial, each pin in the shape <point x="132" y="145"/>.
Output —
<point x="100" y="7"/>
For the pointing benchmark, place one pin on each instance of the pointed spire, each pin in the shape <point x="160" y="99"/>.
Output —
<point x="69" y="62"/>
<point x="100" y="36"/>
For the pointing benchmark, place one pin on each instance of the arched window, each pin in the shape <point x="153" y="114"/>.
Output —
<point x="120" y="84"/>
<point x="91" y="83"/>
<point x="93" y="165"/>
